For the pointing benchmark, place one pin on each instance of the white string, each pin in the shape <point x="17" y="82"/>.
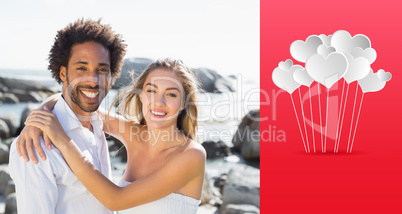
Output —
<point x="312" y="119"/>
<point x="319" y="106"/>
<point x="326" y="123"/>
<point x="339" y="118"/>
<point x="353" y="116"/>
<point x="298" y="123"/>
<point x="357" y="120"/>
<point x="343" y="116"/>
<point x="304" y="121"/>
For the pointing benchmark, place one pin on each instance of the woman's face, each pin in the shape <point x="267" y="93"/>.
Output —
<point x="162" y="99"/>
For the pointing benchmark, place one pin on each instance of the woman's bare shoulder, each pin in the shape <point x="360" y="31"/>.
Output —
<point x="189" y="162"/>
<point x="132" y="133"/>
<point x="195" y="150"/>
<point x="195" y="145"/>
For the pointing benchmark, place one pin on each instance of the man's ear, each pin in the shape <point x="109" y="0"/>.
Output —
<point x="63" y="73"/>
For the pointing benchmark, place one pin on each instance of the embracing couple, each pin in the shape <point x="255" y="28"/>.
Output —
<point x="70" y="172"/>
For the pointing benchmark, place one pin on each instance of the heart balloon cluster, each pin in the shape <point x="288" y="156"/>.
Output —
<point x="327" y="60"/>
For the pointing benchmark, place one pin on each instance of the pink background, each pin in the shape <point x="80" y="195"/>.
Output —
<point x="370" y="179"/>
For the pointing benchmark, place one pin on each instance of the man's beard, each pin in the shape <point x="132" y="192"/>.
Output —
<point x="73" y="92"/>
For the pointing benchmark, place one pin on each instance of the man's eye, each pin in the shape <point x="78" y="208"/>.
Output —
<point x="81" y="68"/>
<point x="104" y="70"/>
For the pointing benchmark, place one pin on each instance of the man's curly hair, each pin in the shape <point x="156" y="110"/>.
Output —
<point x="83" y="31"/>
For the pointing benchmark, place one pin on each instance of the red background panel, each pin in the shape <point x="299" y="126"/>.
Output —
<point x="370" y="179"/>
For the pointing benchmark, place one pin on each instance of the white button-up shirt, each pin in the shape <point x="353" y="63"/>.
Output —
<point x="50" y="186"/>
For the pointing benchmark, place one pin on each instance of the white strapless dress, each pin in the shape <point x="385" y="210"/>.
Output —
<point x="172" y="204"/>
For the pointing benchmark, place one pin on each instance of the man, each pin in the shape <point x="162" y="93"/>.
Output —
<point x="86" y="57"/>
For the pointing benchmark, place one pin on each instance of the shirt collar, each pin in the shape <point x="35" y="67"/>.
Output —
<point x="69" y="120"/>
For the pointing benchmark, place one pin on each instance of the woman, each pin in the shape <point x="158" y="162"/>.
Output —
<point x="165" y="166"/>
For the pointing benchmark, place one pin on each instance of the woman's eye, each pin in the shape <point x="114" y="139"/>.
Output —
<point x="150" y="91"/>
<point x="172" y="95"/>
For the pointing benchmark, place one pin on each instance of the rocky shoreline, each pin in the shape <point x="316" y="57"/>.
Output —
<point x="237" y="191"/>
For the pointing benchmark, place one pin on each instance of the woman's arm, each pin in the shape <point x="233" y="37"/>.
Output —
<point x="30" y="136"/>
<point x="50" y="102"/>
<point x="114" y="124"/>
<point x="177" y="172"/>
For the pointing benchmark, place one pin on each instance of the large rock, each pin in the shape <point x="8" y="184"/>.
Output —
<point x="4" y="153"/>
<point x="9" y="141"/>
<point x="133" y="66"/>
<point x="9" y="98"/>
<point x="240" y="209"/>
<point x="209" y="196"/>
<point x="10" y="188"/>
<point x="4" y="178"/>
<point x="12" y="122"/>
<point x="220" y="182"/>
<point x="11" y="204"/>
<point x="207" y="209"/>
<point x="25" y="85"/>
<point x="216" y="149"/>
<point x="3" y="88"/>
<point x="116" y="147"/>
<point x="26" y="96"/>
<point x="246" y="140"/>
<point x="30" y="107"/>
<point x="210" y="80"/>
<point x="242" y="186"/>
<point x="4" y="130"/>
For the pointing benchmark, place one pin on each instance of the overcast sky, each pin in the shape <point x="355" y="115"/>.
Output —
<point x="218" y="34"/>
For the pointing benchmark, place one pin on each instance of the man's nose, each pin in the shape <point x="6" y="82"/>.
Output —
<point x="93" y="76"/>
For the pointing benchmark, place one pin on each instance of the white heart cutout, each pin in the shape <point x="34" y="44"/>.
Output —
<point x="384" y="76"/>
<point x="301" y="76"/>
<point x="326" y="40"/>
<point x="343" y="42"/>
<point x="371" y="83"/>
<point x="369" y="53"/>
<point x="284" y="79"/>
<point x="325" y="51"/>
<point x="301" y="50"/>
<point x="357" y="68"/>
<point x="327" y="70"/>
<point x="286" y="65"/>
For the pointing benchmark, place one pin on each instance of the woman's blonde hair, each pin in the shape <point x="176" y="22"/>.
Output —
<point x="130" y="105"/>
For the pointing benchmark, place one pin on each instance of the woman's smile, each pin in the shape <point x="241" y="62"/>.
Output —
<point x="158" y="113"/>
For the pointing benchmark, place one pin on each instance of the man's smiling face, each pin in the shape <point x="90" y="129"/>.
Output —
<point x="86" y="79"/>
